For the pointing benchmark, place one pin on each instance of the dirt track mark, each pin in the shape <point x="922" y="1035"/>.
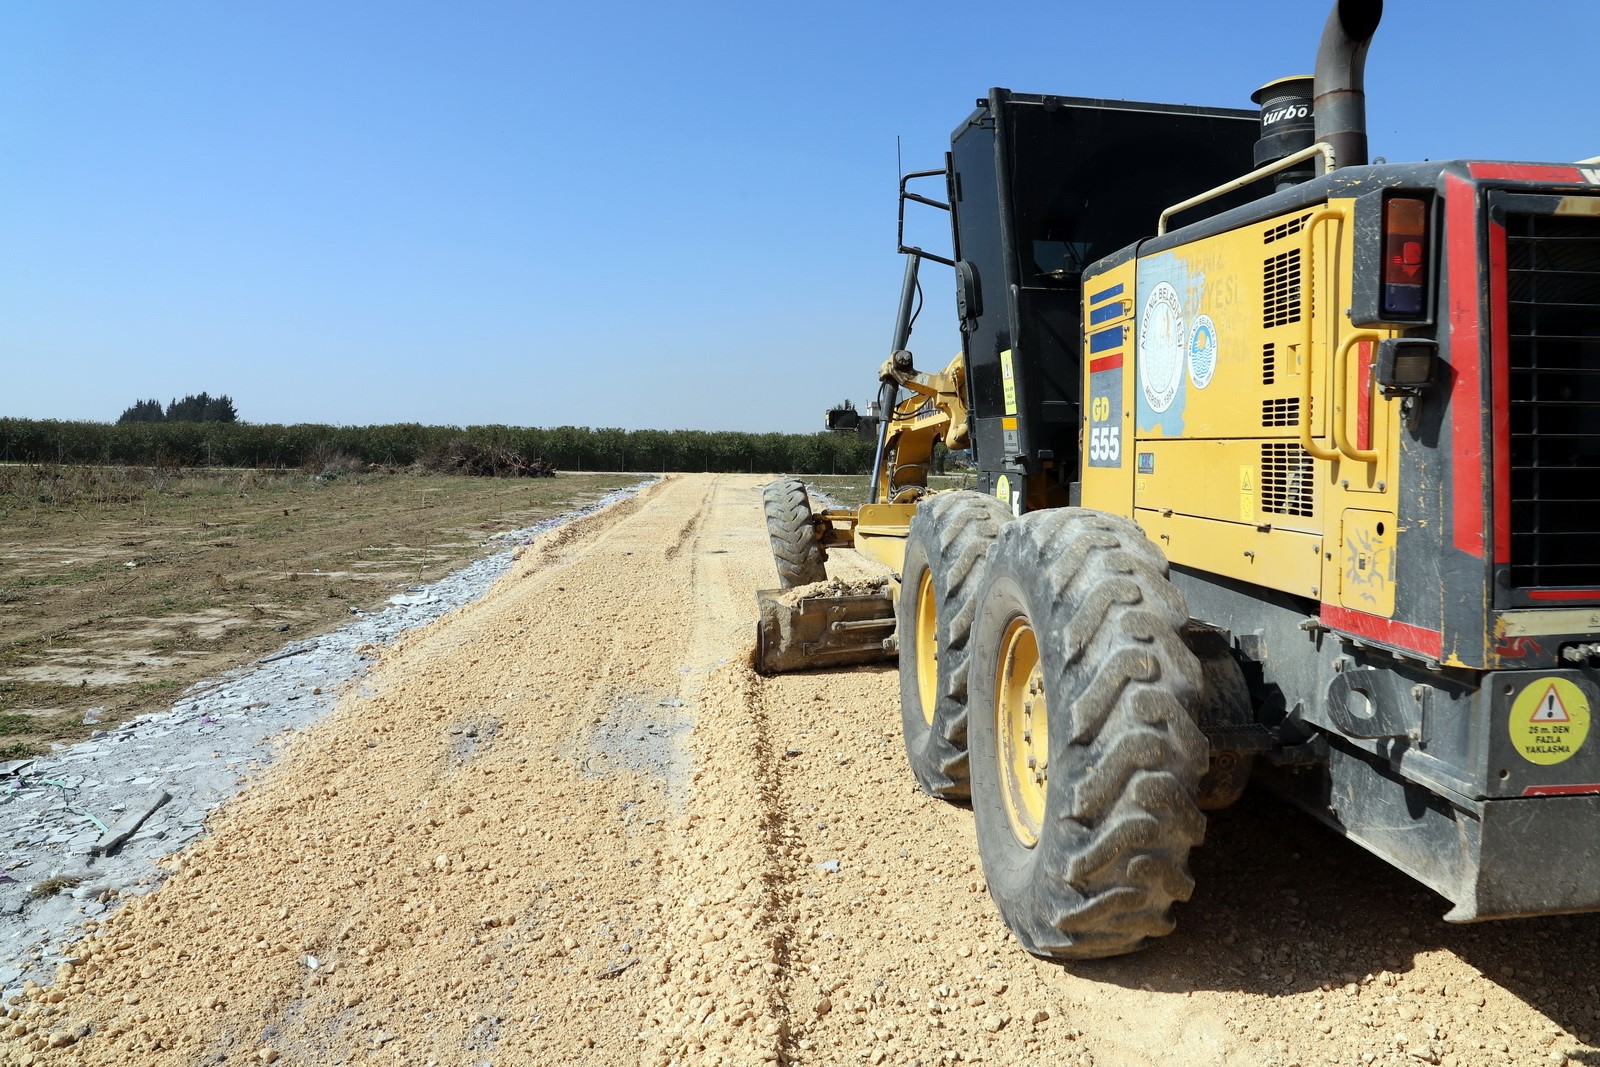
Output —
<point x="690" y="531"/>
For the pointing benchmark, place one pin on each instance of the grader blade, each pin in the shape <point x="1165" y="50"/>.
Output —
<point x="828" y="624"/>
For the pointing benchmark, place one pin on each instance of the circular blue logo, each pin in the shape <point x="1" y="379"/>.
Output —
<point x="1202" y="351"/>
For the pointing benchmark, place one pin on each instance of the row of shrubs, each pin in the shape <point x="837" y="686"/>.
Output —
<point x="236" y="444"/>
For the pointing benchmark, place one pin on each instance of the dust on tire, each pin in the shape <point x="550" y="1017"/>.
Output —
<point x="1124" y="755"/>
<point x="948" y="541"/>
<point x="796" y="552"/>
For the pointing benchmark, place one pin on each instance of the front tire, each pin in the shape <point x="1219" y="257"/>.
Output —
<point x="1085" y="759"/>
<point x="946" y="546"/>
<point x="796" y="552"/>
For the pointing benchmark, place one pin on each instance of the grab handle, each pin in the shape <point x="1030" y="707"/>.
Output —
<point x="1308" y="260"/>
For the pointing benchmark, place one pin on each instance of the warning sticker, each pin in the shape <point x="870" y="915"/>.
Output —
<point x="1549" y="721"/>
<point x="1008" y="382"/>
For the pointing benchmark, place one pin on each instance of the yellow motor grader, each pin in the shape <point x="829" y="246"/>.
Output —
<point x="1289" y="475"/>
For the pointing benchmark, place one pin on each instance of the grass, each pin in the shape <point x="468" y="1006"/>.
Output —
<point x="850" y="490"/>
<point x="227" y="565"/>
<point x="51" y="886"/>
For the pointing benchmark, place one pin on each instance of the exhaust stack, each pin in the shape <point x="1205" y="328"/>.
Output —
<point x="1339" y="97"/>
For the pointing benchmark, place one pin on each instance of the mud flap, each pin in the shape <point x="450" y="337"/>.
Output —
<point x="826" y="630"/>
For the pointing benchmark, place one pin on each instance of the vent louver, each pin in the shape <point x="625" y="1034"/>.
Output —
<point x="1286" y="479"/>
<point x="1283" y="229"/>
<point x="1281" y="411"/>
<point x="1280" y="289"/>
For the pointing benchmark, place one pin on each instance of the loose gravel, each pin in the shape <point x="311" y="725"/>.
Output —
<point x="186" y="761"/>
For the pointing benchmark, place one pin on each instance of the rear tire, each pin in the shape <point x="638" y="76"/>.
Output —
<point x="795" y="549"/>
<point x="1085" y="759"/>
<point x="946" y="546"/>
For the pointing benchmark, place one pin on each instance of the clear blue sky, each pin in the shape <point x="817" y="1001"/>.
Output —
<point x="669" y="215"/>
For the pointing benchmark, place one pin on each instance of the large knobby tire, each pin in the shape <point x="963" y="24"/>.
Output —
<point x="945" y="549"/>
<point x="1085" y="758"/>
<point x="795" y="548"/>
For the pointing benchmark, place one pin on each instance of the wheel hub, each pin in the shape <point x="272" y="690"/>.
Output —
<point x="1023" y="729"/>
<point x="927" y="638"/>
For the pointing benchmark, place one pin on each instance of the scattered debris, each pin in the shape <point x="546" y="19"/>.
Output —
<point x="616" y="968"/>
<point x="276" y="656"/>
<point x="130" y="822"/>
<point x="461" y="456"/>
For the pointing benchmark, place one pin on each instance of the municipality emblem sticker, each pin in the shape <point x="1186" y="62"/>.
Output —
<point x="1161" y="347"/>
<point x="1202" y="351"/>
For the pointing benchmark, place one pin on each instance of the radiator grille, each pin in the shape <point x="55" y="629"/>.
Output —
<point x="1281" y="411"/>
<point x="1280" y="289"/>
<point x="1269" y="363"/>
<point x="1553" y="311"/>
<point x="1286" y="479"/>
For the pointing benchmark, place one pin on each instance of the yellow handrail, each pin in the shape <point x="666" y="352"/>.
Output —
<point x="1308" y="269"/>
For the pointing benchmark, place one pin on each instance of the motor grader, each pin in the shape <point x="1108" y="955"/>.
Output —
<point x="1289" y="475"/>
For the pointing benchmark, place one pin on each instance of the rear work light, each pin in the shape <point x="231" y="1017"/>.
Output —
<point x="1405" y="257"/>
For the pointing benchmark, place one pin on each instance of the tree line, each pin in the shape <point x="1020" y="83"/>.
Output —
<point x="237" y="444"/>
<point x="196" y="407"/>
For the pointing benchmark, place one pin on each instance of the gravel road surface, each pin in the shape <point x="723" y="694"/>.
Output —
<point x="569" y="824"/>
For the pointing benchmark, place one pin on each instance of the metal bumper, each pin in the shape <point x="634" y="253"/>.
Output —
<point x="1529" y="856"/>
<point x="1493" y="859"/>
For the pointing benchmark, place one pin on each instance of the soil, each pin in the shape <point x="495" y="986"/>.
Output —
<point x="120" y="587"/>
<point x="570" y="824"/>
<point x="875" y="585"/>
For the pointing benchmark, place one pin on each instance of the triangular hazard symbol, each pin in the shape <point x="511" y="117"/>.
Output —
<point x="1550" y="708"/>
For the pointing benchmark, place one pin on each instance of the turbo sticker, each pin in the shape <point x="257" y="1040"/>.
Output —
<point x="1549" y="721"/>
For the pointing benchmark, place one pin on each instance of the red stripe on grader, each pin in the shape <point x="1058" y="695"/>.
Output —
<point x="1364" y="397"/>
<point x="1524" y="172"/>
<point x="1559" y="790"/>
<point x="1563" y="594"/>
<point x="1111" y="362"/>
<point x="1466" y="387"/>
<point x="1500" y="395"/>
<point x="1397" y="634"/>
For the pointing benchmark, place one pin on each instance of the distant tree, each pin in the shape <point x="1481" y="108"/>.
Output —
<point x="221" y="409"/>
<point x="202" y="407"/>
<point x="143" y="411"/>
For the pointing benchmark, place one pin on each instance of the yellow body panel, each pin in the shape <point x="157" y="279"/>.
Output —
<point x="1277" y="559"/>
<point x="1253" y="444"/>
<point x="881" y="533"/>
<point x="1243" y="481"/>
<point x="1366" y="562"/>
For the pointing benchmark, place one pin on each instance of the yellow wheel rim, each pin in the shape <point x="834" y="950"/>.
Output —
<point x="927" y="647"/>
<point x="1022" y="725"/>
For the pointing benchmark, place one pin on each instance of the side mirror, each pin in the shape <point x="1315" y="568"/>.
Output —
<point x="969" y="294"/>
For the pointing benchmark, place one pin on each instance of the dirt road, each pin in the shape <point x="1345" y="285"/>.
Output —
<point x="568" y="824"/>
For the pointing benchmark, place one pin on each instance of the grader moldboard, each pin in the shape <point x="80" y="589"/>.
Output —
<point x="1304" y="489"/>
